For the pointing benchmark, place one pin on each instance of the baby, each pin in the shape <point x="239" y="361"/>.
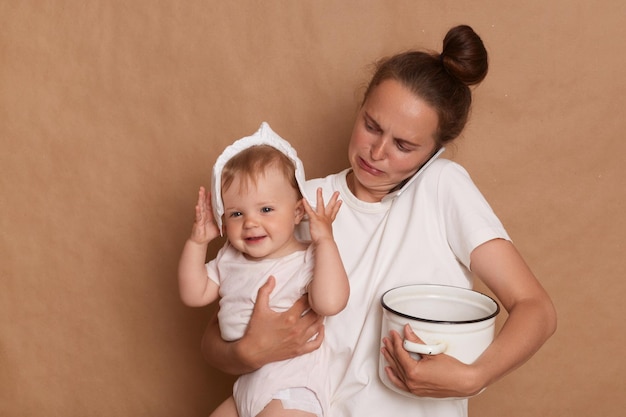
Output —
<point x="257" y="200"/>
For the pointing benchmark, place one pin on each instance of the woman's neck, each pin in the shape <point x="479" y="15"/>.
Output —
<point x="361" y="192"/>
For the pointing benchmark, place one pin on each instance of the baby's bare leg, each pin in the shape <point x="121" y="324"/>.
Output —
<point x="226" y="409"/>
<point x="275" y="409"/>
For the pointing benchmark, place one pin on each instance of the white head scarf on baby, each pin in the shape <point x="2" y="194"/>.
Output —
<point x="264" y="136"/>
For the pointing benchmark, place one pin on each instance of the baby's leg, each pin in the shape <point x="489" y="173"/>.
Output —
<point x="293" y="402"/>
<point x="226" y="409"/>
<point x="275" y="409"/>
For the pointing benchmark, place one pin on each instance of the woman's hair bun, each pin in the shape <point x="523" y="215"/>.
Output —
<point x="464" y="55"/>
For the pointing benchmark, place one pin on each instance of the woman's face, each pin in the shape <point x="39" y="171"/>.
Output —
<point x="393" y="136"/>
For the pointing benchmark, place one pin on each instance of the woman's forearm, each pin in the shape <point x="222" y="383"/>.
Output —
<point x="528" y="327"/>
<point x="270" y="336"/>
<point x="225" y="356"/>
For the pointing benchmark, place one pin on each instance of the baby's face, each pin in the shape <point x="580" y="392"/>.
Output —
<point x="260" y="218"/>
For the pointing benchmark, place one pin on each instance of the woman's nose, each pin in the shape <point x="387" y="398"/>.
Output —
<point x="378" y="149"/>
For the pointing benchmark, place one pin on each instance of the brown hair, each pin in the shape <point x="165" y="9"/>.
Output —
<point x="442" y="80"/>
<point x="254" y="161"/>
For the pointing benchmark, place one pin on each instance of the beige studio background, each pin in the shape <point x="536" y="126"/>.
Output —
<point x="112" y="113"/>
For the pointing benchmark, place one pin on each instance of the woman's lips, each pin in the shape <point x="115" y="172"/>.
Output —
<point x="368" y="168"/>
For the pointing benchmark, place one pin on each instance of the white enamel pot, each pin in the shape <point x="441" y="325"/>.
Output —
<point x="456" y="321"/>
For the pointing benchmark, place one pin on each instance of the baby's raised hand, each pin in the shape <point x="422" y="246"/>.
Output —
<point x="204" y="228"/>
<point x="321" y="219"/>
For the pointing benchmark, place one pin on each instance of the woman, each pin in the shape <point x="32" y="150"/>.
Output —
<point x="407" y="217"/>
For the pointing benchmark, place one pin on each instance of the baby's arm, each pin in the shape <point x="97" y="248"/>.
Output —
<point x="195" y="287"/>
<point x="329" y="289"/>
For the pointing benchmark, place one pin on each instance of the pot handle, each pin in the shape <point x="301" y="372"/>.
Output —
<point x="422" y="349"/>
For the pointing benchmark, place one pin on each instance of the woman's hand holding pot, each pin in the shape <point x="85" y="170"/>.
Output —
<point x="455" y="327"/>
<point x="436" y="376"/>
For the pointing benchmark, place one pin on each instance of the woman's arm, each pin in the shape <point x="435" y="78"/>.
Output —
<point x="531" y="321"/>
<point x="532" y="316"/>
<point x="269" y="337"/>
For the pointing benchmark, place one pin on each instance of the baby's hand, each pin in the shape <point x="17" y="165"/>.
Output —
<point x="204" y="228"/>
<point x="321" y="219"/>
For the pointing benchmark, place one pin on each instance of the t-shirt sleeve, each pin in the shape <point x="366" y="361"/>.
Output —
<point x="469" y="219"/>
<point x="212" y="269"/>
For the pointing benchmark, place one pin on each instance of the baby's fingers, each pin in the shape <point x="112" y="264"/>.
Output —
<point x="333" y="205"/>
<point x="199" y="213"/>
<point x="307" y="207"/>
<point x="203" y="207"/>
<point x="322" y="211"/>
<point x="319" y="207"/>
<point x="320" y="202"/>
<point x="200" y="205"/>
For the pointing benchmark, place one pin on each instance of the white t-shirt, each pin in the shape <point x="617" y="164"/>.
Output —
<point x="423" y="233"/>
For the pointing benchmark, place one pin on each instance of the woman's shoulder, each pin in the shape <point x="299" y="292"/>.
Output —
<point x="447" y="177"/>
<point x="330" y="182"/>
<point x="445" y="170"/>
<point x="452" y="182"/>
<point x="442" y="171"/>
<point x="443" y="164"/>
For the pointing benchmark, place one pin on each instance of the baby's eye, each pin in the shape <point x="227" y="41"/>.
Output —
<point x="235" y="214"/>
<point x="266" y="209"/>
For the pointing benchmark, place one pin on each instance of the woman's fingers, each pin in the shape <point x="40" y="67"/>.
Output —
<point x="410" y="335"/>
<point x="308" y="320"/>
<point x="263" y="295"/>
<point x="394" y="379"/>
<point x="392" y="351"/>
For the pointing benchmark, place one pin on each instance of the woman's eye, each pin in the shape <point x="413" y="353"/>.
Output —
<point x="370" y="127"/>
<point x="402" y="147"/>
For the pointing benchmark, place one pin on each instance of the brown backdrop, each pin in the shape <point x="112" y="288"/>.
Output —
<point x="112" y="113"/>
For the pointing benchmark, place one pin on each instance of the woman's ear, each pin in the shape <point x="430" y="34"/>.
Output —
<point x="299" y="211"/>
